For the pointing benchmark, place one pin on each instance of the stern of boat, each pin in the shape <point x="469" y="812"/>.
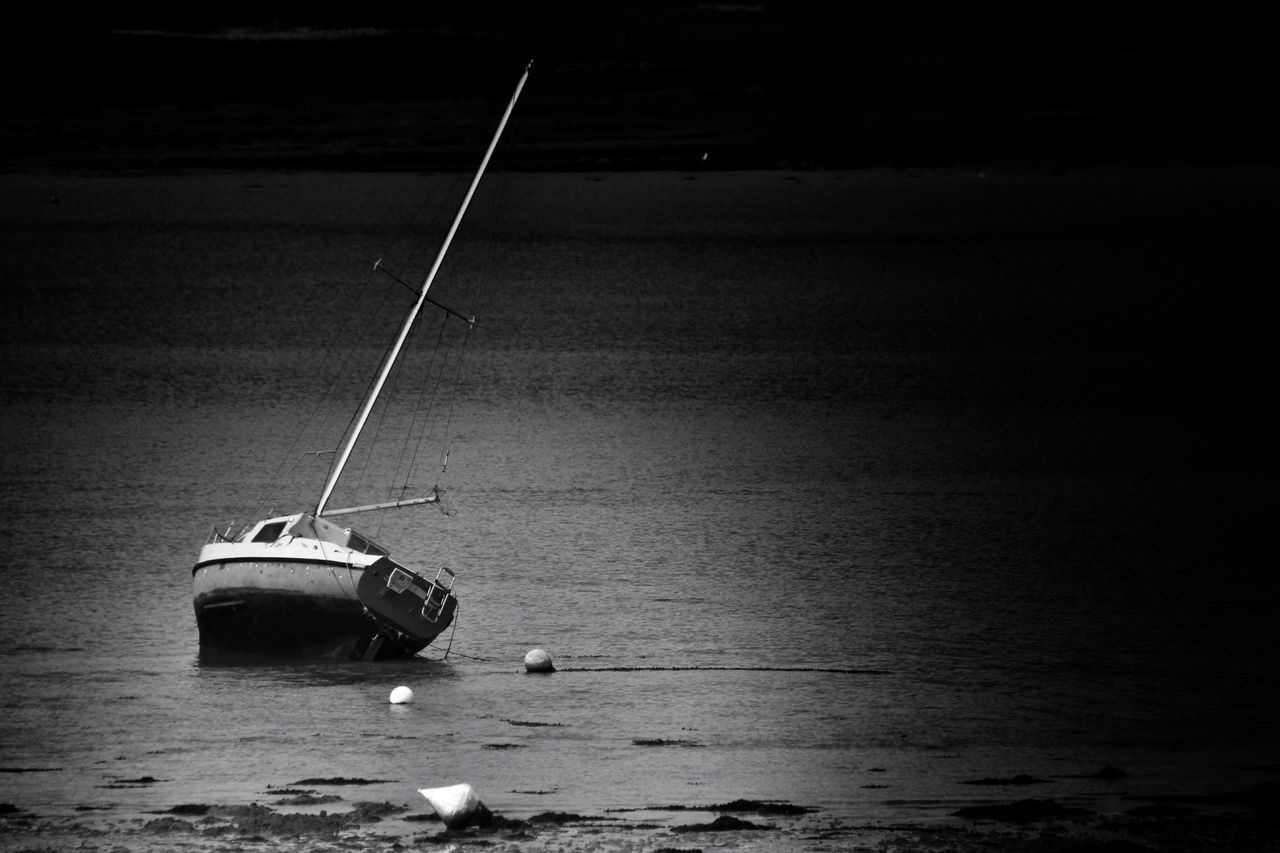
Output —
<point x="409" y="606"/>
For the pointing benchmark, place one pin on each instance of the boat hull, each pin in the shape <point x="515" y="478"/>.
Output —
<point x="293" y="608"/>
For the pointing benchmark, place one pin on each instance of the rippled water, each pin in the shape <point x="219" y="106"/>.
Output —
<point x="839" y="489"/>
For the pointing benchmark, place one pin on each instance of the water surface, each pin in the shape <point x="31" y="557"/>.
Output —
<point x="833" y="488"/>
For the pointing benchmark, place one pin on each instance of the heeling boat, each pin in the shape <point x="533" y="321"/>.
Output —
<point x="303" y="585"/>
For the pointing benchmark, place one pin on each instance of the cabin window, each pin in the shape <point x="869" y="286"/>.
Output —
<point x="356" y="542"/>
<point x="269" y="532"/>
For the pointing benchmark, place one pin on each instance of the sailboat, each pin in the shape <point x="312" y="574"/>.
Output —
<point x="305" y="585"/>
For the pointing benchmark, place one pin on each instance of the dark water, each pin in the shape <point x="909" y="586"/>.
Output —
<point x="835" y="488"/>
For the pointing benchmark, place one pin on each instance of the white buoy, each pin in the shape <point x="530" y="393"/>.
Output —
<point x="457" y="805"/>
<point x="538" y="661"/>
<point x="401" y="695"/>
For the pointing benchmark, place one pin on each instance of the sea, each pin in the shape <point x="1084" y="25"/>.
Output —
<point x="876" y="493"/>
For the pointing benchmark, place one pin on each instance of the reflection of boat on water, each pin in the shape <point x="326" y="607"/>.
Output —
<point x="302" y="585"/>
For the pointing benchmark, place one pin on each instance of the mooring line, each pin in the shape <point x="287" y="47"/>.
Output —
<point x="840" y="671"/>
<point x="822" y="669"/>
<point x="453" y="654"/>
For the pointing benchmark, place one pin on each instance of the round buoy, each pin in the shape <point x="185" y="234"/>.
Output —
<point x="401" y="695"/>
<point x="538" y="661"/>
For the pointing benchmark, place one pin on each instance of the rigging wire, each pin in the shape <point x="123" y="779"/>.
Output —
<point x="353" y="319"/>
<point x="421" y="414"/>
<point x="476" y="296"/>
<point x="478" y="290"/>
<point x="351" y="422"/>
<point x="419" y="430"/>
<point x="292" y="458"/>
<point x="409" y="226"/>
<point x="419" y="419"/>
<point x="412" y="232"/>
<point x="453" y="403"/>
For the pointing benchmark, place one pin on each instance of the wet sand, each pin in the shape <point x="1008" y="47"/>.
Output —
<point x="318" y="817"/>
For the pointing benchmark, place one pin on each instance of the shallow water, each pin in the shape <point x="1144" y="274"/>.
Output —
<point x="839" y="489"/>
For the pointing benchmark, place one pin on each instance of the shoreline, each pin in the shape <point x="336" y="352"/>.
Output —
<point x="309" y="819"/>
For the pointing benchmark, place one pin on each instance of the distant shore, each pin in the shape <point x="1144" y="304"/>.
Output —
<point x="917" y="84"/>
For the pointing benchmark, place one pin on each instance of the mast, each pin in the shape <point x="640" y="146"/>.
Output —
<point x="412" y="316"/>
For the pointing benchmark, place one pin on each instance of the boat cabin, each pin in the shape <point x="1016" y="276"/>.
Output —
<point x="308" y="526"/>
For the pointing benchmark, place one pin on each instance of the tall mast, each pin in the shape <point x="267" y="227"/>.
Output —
<point x="412" y="316"/>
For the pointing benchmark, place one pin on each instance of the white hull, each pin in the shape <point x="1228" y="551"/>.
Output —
<point x="301" y="596"/>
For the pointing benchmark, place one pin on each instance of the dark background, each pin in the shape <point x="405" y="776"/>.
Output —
<point x="641" y="85"/>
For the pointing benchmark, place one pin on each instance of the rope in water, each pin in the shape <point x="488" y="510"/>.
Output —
<point x="449" y="649"/>
<point x="837" y="670"/>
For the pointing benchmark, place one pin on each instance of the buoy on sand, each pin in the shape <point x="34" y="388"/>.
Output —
<point x="401" y="695"/>
<point x="538" y="661"/>
<point x="457" y="805"/>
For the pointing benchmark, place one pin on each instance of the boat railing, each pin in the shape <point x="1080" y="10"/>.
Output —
<point x="216" y="535"/>
<point x="437" y="595"/>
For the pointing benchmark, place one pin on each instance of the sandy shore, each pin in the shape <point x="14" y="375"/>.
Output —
<point x="319" y="819"/>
